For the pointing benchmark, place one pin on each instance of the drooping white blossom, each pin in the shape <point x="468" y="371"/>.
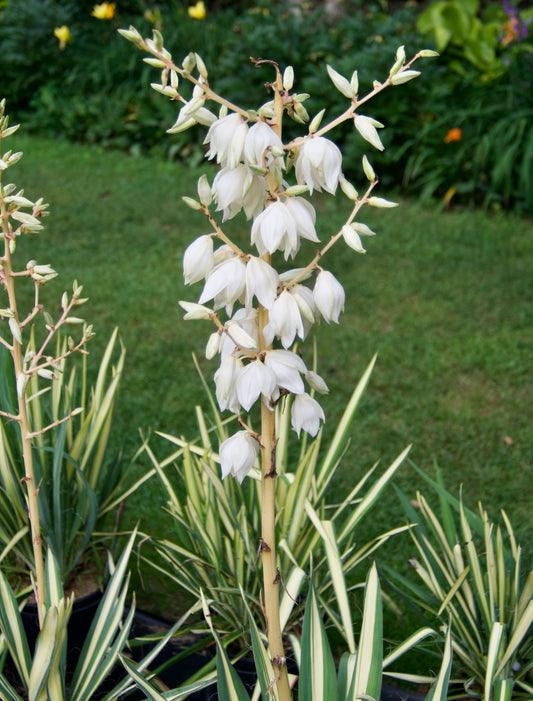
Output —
<point x="261" y="139"/>
<point x="287" y="368"/>
<point x="254" y="380"/>
<point x="238" y="455"/>
<point x="226" y="283"/>
<point x="226" y="139"/>
<point x="329" y="296"/>
<point x="318" y="164"/>
<point x="239" y="188"/>
<point x="225" y="384"/>
<point x="306" y="414"/>
<point x="262" y="281"/>
<point x="198" y="259"/>
<point x="284" y="320"/>
<point x="280" y="226"/>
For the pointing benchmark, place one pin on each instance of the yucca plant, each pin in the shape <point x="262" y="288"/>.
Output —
<point x="357" y="675"/>
<point x="473" y="572"/>
<point x="216" y="525"/>
<point x="78" y="477"/>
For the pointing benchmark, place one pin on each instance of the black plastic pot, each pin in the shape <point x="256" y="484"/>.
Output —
<point x="83" y="612"/>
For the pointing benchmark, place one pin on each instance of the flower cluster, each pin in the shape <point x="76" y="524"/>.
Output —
<point x="259" y="313"/>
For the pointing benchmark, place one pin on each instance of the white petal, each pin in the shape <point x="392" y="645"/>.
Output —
<point x="198" y="259"/>
<point x="255" y="379"/>
<point x="329" y="296"/>
<point x="238" y="455"/>
<point x="306" y="414"/>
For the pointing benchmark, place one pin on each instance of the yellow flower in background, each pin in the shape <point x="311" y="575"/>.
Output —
<point x="63" y="34"/>
<point x="453" y="135"/>
<point x="104" y="11"/>
<point x="197" y="11"/>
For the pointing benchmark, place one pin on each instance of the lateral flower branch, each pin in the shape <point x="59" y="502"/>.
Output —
<point x="270" y="181"/>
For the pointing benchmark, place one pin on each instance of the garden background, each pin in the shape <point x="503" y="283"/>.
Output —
<point x="444" y="293"/>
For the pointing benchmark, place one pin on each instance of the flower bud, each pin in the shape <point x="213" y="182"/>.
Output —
<point x="368" y="170"/>
<point x="213" y="345"/>
<point x="193" y="204"/>
<point x="200" y="65"/>
<point x="195" y="311"/>
<point x="341" y="83"/>
<point x="352" y="239"/>
<point x="348" y="189"/>
<point x="316" y="121"/>
<point x="288" y="78"/>
<point x="381" y="203"/>
<point x="366" y="126"/>
<point x="404" y="77"/>
<point x="204" y="191"/>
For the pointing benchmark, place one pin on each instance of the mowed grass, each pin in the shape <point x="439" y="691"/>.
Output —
<point x="444" y="298"/>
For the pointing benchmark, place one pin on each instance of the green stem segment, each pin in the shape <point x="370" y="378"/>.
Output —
<point x="25" y="429"/>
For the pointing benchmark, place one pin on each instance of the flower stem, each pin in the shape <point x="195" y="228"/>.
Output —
<point x="271" y="573"/>
<point x="25" y="433"/>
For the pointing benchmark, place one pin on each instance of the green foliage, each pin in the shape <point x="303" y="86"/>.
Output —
<point x="474" y="575"/>
<point x="216" y="525"/>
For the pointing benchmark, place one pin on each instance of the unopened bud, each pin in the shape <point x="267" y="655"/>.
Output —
<point x="316" y="121"/>
<point x="348" y="189"/>
<point x="288" y="78"/>
<point x="200" y="65"/>
<point x="193" y="204"/>
<point x="341" y="83"/>
<point x="368" y="170"/>
<point x="213" y="345"/>
<point x="189" y="62"/>
<point x="204" y="191"/>
<point x="381" y="203"/>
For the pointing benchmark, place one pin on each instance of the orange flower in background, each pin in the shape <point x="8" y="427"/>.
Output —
<point x="63" y="34"/>
<point x="512" y="31"/>
<point x="453" y="135"/>
<point x="197" y="11"/>
<point x="104" y="11"/>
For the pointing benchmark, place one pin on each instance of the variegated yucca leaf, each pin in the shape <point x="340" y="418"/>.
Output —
<point x="439" y="689"/>
<point x="318" y="678"/>
<point x="369" y="663"/>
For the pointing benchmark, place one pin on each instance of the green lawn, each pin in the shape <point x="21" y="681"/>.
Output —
<point x="444" y="298"/>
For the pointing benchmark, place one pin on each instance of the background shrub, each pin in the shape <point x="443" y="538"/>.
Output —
<point x="96" y="90"/>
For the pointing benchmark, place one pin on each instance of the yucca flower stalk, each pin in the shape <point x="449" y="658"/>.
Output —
<point x="28" y="360"/>
<point x="268" y="179"/>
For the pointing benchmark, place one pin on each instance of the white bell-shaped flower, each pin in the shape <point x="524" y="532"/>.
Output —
<point x="255" y="379"/>
<point x="288" y="368"/>
<point x="198" y="259"/>
<point x="225" y="384"/>
<point x="238" y="455"/>
<point x="329" y="296"/>
<point x="226" y="283"/>
<point x="284" y="320"/>
<point x="281" y="225"/>
<point x="226" y="139"/>
<point x="239" y="188"/>
<point x="318" y="164"/>
<point x="260" y="140"/>
<point x="306" y="414"/>
<point x="304" y="215"/>
<point x="262" y="281"/>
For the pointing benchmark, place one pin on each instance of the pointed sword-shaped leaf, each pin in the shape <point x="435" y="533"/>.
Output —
<point x="369" y="665"/>
<point x="439" y="690"/>
<point x="318" y="679"/>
